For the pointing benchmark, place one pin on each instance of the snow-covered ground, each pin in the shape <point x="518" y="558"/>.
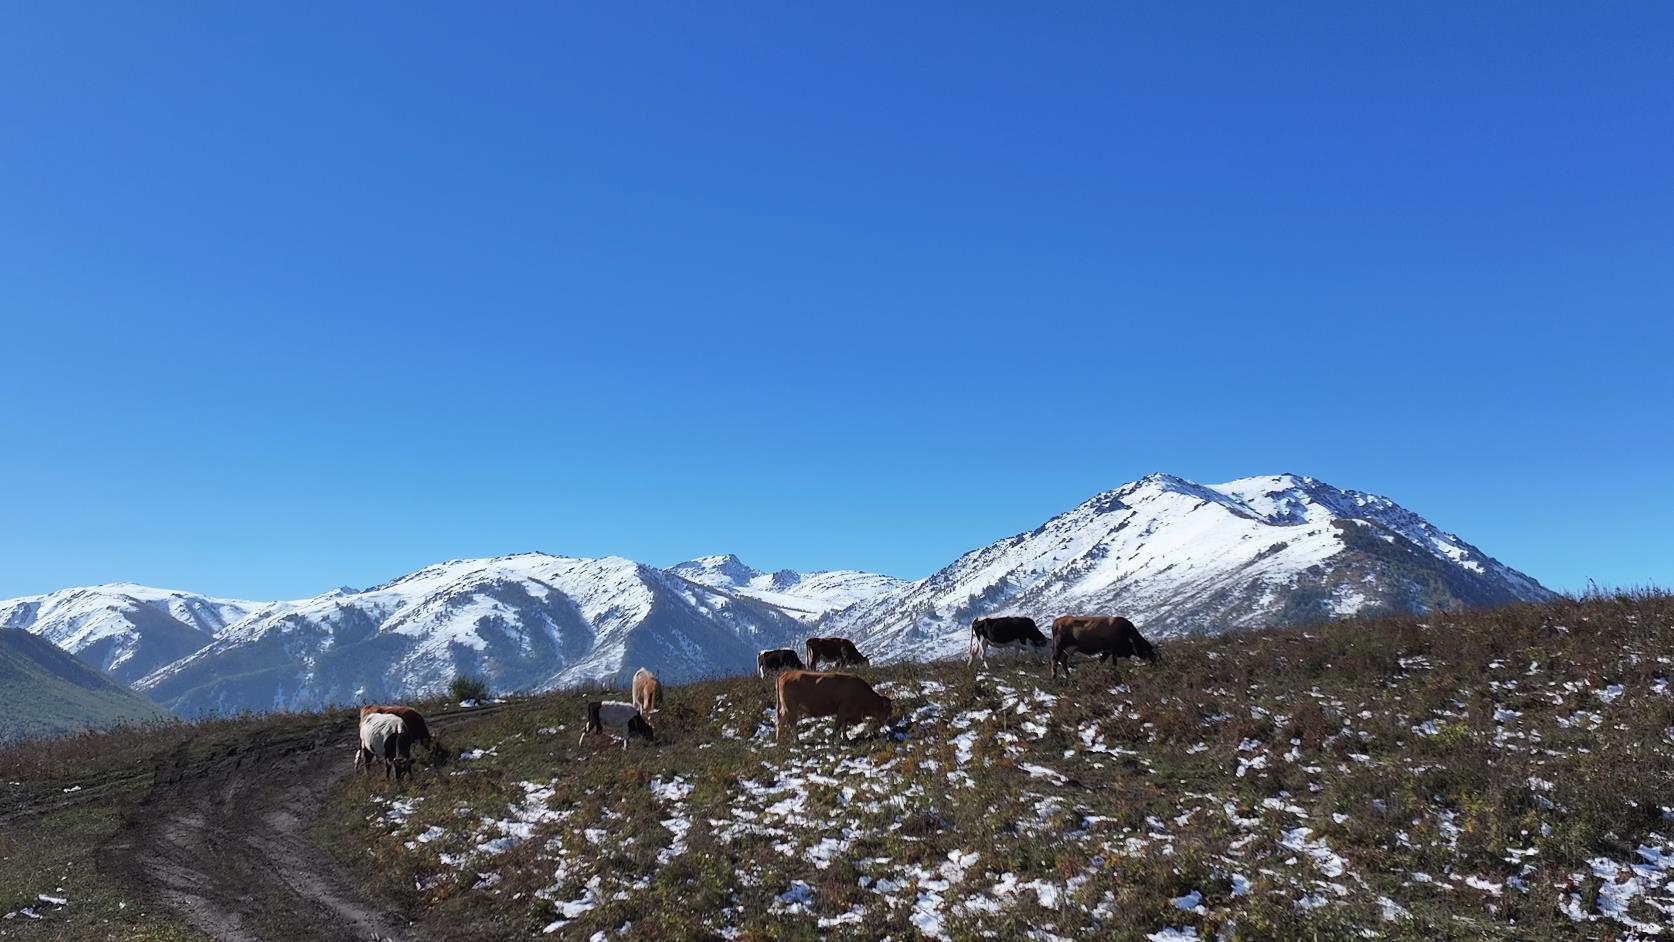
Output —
<point x="1135" y="810"/>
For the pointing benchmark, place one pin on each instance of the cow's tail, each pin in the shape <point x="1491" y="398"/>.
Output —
<point x="782" y="711"/>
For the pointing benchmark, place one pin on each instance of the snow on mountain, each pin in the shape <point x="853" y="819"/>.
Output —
<point x="1176" y="556"/>
<point x="803" y="596"/>
<point x="531" y="621"/>
<point x="125" y="630"/>
<point x="1180" y="557"/>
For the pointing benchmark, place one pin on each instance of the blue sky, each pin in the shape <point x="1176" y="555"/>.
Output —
<point x="314" y="294"/>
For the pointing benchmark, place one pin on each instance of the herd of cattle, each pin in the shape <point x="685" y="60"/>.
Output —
<point x="388" y="733"/>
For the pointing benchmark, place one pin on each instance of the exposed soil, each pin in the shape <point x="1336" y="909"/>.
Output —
<point x="222" y="838"/>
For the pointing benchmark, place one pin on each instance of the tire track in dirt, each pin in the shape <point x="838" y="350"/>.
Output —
<point x="222" y="838"/>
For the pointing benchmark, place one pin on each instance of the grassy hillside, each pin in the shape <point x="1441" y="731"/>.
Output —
<point x="45" y="691"/>
<point x="1495" y="775"/>
<point x="1502" y="774"/>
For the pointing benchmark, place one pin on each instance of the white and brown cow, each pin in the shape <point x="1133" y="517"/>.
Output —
<point x="622" y="719"/>
<point x="648" y="692"/>
<point x="384" y="739"/>
<point x="845" y="696"/>
<point x="1001" y="632"/>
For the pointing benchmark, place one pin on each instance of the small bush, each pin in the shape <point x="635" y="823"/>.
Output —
<point x="465" y="687"/>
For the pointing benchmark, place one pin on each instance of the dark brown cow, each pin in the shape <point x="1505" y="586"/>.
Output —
<point x="777" y="659"/>
<point x="840" y="651"/>
<point x="809" y="693"/>
<point x="1002" y="632"/>
<point x="1101" y="636"/>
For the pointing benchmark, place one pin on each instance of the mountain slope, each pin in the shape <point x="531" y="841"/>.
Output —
<point x="123" y="629"/>
<point x="1184" y="558"/>
<point x="45" y="691"/>
<point x="803" y="596"/>
<point x="530" y="621"/>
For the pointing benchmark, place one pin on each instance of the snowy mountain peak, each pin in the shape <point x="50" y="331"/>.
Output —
<point x="1182" y="557"/>
<point x="803" y="596"/>
<point x="725" y="569"/>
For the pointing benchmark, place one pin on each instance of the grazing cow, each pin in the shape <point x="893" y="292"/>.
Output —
<point x="847" y="697"/>
<point x="384" y="738"/>
<point x="1003" y="632"/>
<point x="777" y="659"/>
<point x="416" y="726"/>
<point x="648" y="691"/>
<point x="1101" y="636"/>
<point x="622" y="718"/>
<point x="840" y="650"/>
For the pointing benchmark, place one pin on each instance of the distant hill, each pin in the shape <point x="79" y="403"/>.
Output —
<point x="45" y="691"/>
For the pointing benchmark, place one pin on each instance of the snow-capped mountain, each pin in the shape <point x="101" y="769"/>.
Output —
<point x="530" y="621"/>
<point x="1179" y="557"/>
<point x="803" y="596"/>
<point x="123" y="629"/>
<point x="1175" y="556"/>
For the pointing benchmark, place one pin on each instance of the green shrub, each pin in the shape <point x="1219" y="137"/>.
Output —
<point x="465" y="687"/>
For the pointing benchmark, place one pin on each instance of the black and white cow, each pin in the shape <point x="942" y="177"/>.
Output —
<point x="1001" y="632"/>
<point x="618" y="719"/>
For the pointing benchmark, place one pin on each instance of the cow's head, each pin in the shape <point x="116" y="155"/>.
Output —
<point x="638" y="727"/>
<point x="1145" y="649"/>
<point x="886" y="707"/>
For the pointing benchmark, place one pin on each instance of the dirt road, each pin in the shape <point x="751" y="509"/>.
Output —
<point x="222" y="839"/>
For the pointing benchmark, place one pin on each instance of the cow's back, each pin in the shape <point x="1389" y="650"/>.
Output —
<point x="416" y="728"/>
<point x="616" y="713"/>
<point x="1092" y="627"/>
<point x="819" y="692"/>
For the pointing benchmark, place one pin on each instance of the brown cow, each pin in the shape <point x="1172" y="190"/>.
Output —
<point x="839" y="650"/>
<point x="809" y="693"/>
<point x="1101" y="636"/>
<point x="648" y="691"/>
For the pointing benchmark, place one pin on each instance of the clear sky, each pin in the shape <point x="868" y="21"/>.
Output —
<point x="299" y="295"/>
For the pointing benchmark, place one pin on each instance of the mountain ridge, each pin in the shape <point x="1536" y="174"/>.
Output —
<point x="1176" y="556"/>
